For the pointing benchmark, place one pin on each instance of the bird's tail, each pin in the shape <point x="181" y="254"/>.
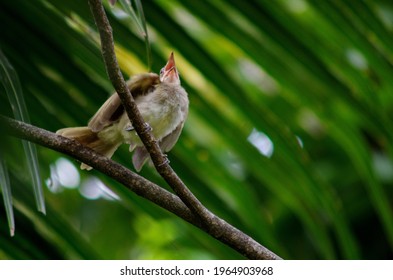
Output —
<point x="87" y="137"/>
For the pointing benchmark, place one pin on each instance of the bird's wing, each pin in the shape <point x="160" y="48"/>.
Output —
<point x="112" y="109"/>
<point x="140" y="155"/>
<point x="109" y="112"/>
<point x="167" y="143"/>
<point x="143" y="83"/>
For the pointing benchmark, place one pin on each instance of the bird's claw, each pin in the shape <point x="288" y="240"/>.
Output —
<point x="147" y="127"/>
<point x="166" y="161"/>
<point x="129" y="128"/>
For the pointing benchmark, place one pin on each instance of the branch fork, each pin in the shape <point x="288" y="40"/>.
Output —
<point x="184" y="204"/>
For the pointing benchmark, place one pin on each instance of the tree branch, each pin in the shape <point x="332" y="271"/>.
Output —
<point x="229" y="235"/>
<point x="158" y="158"/>
<point x="211" y="223"/>
<point x="187" y="207"/>
<point x="116" y="171"/>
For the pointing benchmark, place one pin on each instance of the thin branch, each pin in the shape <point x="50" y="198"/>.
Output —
<point x="131" y="180"/>
<point x="160" y="162"/>
<point x="229" y="235"/>
<point x="187" y="207"/>
<point x="211" y="223"/>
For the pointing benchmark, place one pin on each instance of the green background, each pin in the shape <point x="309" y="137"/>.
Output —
<point x="289" y="136"/>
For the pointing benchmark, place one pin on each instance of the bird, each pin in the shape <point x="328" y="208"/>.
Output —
<point x="163" y="104"/>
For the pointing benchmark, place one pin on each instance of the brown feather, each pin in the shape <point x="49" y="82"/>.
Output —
<point x="142" y="84"/>
<point x="104" y="116"/>
<point x="87" y="137"/>
<point x="112" y="109"/>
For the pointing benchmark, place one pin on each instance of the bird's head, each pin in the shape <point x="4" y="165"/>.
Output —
<point x="169" y="73"/>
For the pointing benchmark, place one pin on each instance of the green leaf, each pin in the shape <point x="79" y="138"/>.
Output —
<point x="313" y="77"/>
<point x="10" y="81"/>
<point x="139" y="20"/>
<point x="7" y="196"/>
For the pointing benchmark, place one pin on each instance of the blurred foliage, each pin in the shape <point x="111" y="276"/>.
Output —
<point x="289" y="136"/>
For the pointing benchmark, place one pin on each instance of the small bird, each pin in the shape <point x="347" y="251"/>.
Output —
<point x="163" y="104"/>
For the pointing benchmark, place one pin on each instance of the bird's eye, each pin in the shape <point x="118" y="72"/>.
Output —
<point x="162" y="71"/>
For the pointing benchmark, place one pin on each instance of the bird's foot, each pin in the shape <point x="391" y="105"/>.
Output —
<point x="147" y="127"/>
<point x="129" y="128"/>
<point x="166" y="161"/>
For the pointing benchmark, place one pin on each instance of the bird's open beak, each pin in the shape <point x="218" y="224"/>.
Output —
<point x="169" y="72"/>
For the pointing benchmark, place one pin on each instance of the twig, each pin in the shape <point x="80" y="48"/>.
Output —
<point x="211" y="223"/>
<point x="142" y="187"/>
<point x="159" y="160"/>
<point x="131" y="180"/>
<point x="187" y="207"/>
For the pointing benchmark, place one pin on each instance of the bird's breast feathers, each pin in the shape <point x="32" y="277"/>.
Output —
<point x="164" y="110"/>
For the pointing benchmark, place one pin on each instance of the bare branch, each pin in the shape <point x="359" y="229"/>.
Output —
<point x="211" y="223"/>
<point x="187" y="207"/>
<point x="129" y="179"/>
<point x="158" y="158"/>
<point x="227" y="234"/>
